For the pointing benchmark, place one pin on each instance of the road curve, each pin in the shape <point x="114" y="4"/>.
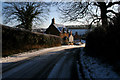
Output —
<point x="56" y="64"/>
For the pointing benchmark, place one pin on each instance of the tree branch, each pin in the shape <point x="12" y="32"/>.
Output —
<point x="111" y="12"/>
<point x="93" y="21"/>
<point x="112" y="3"/>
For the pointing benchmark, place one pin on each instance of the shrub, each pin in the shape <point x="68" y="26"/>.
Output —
<point x="105" y="42"/>
<point x="16" y="40"/>
<point x="95" y="40"/>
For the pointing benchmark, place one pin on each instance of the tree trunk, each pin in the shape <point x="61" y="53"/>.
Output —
<point x="104" y="18"/>
<point x="103" y="9"/>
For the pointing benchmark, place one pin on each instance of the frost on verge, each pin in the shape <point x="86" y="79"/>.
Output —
<point x="93" y="68"/>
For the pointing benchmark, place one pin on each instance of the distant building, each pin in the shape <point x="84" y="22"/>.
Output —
<point x="41" y="30"/>
<point x="77" y="37"/>
<point x="71" y="38"/>
<point x="59" y="30"/>
<point x="63" y="32"/>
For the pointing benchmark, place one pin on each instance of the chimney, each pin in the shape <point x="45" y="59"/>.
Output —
<point x="53" y="21"/>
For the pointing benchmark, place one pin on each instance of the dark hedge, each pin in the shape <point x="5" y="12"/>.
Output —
<point x="105" y="42"/>
<point x="16" y="40"/>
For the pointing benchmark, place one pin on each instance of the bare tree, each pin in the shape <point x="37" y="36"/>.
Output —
<point x="96" y="11"/>
<point x="25" y="13"/>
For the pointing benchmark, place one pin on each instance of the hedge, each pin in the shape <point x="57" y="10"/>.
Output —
<point x="15" y="40"/>
<point x="105" y="42"/>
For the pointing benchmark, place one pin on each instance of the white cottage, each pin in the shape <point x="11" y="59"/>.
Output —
<point x="71" y="38"/>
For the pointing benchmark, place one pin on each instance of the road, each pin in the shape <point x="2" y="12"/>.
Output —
<point x="58" y="62"/>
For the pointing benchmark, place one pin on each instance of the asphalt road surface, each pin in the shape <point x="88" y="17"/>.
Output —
<point x="60" y="64"/>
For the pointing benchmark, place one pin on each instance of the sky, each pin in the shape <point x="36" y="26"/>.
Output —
<point x="0" y="12"/>
<point x="53" y="14"/>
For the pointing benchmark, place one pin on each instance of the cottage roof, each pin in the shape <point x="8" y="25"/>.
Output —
<point x="60" y="27"/>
